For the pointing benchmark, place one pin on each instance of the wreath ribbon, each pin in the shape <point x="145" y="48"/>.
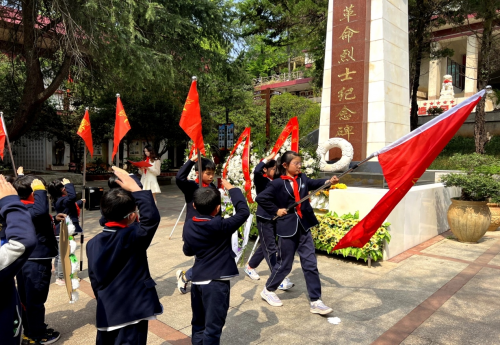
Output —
<point x="291" y="127"/>
<point x="245" y="162"/>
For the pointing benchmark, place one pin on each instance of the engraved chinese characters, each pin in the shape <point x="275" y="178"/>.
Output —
<point x="350" y="48"/>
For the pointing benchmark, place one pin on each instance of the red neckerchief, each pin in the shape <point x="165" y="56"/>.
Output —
<point x="295" y="191"/>
<point x="28" y="202"/>
<point x="120" y="224"/>
<point x="202" y="183"/>
<point x="265" y="175"/>
<point x="146" y="170"/>
<point x="195" y="219"/>
<point x="77" y="210"/>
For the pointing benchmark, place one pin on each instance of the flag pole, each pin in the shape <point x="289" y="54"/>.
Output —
<point x="8" y="143"/>
<point x="118" y="147"/>
<point x="326" y="185"/>
<point x="200" y="172"/>
<point x="177" y="222"/>
<point x="82" y="236"/>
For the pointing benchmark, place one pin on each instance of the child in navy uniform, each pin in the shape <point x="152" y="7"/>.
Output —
<point x="263" y="175"/>
<point x="188" y="187"/>
<point x="33" y="280"/>
<point x="291" y="185"/>
<point x="63" y="196"/>
<point x="118" y="265"/>
<point x="208" y="238"/>
<point x="20" y="241"/>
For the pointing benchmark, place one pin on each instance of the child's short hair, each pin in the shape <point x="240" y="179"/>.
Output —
<point x="11" y="179"/>
<point x="270" y="164"/>
<point x="116" y="204"/>
<point x="206" y="164"/>
<point x="206" y="200"/>
<point x="23" y="185"/>
<point x="112" y="182"/>
<point x="55" y="189"/>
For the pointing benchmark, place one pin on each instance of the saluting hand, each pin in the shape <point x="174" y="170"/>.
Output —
<point x="226" y="184"/>
<point x="20" y="171"/>
<point x="37" y="185"/>
<point x="6" y="188"/>
<point x="65" y="181"/>
<point x="125" y="181"/>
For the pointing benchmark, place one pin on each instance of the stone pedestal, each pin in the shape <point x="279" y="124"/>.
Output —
<point x="366" y="80"/>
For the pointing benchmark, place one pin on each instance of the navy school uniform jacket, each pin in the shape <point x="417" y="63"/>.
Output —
<point x="46" y="244"/>
<point x="119" y="270"/>
<point x="137" y="180"/>
<point x="261" y="183"/>
<point x="67" y="205"/>
<point x="21" y="241"/>
<point x="209" y="240"/>
<point x="188" y="187"/>
<point x="279" y="194"/>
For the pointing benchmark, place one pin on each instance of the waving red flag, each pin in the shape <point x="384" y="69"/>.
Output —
<point x="191" y="118"/>
<point x="2" y="138"/>
<point x="122" y="126"/>
<point x="85" y="132"/>
<point x="404" y="161"/>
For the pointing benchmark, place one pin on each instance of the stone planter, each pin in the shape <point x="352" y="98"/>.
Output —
<point x="495" y="216"/>
<point x="469" y="220"/>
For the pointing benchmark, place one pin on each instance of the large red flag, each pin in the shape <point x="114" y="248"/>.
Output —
<point x="122" y="126"/>
<point x="2" y="138"/>
<point x="404" y="161"/>
<point x="85" y="132"/>
<point x="191" y="118"/>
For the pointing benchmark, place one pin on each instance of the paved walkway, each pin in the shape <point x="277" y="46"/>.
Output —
<point x="441" y="292"/>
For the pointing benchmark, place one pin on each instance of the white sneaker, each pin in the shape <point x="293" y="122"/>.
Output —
<point x="271" y="298"/>
<point x="251" y="273"/>
<point x="286" y="284"/>
<point x="319" y="307"/>
<point x="181" y="282"/>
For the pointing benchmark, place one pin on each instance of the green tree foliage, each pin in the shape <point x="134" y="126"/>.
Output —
<point x="297" y="23"/>
<point x="110" y="45"/>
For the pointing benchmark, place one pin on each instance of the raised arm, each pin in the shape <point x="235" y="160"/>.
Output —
<point x="233" y="223"/>
<point x="181" y="179"/>
<point x="41" y="205"/>
<point x="70" y="189"/>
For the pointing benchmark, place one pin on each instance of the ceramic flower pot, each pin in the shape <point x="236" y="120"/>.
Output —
<point x="469" y="220"/>
<point x="495" y="216"/>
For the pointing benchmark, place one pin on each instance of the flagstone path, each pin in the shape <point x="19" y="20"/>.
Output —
<point x="441" y="292"/>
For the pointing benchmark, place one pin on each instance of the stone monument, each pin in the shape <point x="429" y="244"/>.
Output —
<point x="365" y="96"/>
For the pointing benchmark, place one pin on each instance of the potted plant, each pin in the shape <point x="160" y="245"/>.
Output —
<point x="469" y="216"/>
<point x="494" y="202"/>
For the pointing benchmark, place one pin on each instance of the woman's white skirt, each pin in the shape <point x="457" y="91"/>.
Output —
<point x="150" y="182"/>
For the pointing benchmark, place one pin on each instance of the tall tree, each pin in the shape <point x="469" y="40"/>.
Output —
<point x="488" y="15"/>
<point x="125" y="44"/>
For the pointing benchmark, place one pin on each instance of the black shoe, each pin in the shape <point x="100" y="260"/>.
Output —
<point x="48" y="338"/>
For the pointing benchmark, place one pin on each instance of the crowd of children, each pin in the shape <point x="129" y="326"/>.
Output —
<point x="117" y="261"/>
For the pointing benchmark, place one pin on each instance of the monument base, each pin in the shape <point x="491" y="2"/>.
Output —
<point x="420" y="216"/>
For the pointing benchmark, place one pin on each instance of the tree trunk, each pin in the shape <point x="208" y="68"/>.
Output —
<point x="480" y="136"/>
<point x="418" y="61"/>
<point x="34" y="92"/>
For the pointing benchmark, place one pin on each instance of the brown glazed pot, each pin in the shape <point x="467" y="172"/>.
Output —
<point x="469" y="220"/>
<point x="495" y="216"/>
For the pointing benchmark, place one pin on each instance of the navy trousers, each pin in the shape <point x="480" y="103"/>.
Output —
<point x="210" y="304"/>
<point x="136" y="334"/>
<point x="303" y="244"/>
<point x="33" y="282"/>
<point x="267" y="249"/>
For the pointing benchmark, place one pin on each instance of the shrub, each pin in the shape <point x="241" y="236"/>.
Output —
<point x="475" y="186"/>
<point x="470" y="162"/>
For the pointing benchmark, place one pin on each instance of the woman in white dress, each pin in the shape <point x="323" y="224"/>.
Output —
<point x="148" y="179"/>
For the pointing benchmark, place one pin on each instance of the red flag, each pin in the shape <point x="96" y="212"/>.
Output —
<point x="191" y="118"/>
<point x="2" y="138"/>
<point x="122" y="126"/>
<point x="404" y="161"/>
<point x="85" y="132"/>
<point x="291" y="127"/>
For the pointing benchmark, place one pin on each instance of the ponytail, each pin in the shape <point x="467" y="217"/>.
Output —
<point x="287" y="157"/>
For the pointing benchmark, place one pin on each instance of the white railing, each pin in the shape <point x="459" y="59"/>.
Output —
<point x="278" y="78"/>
